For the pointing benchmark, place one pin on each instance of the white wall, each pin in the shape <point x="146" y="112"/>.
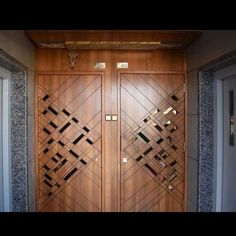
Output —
<point x="17" y="45"/>
<point x="210" y="45"/>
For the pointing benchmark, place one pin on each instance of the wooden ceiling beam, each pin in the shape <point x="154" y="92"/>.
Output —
<point x="54" y="36"/>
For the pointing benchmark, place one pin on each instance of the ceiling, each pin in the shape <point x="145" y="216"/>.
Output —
<point x="112" y="39"/>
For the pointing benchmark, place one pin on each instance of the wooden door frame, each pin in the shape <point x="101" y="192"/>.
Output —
<point x="20" y="196"/>
<point x="37" y="74"/>
<point x="119" y="72"/>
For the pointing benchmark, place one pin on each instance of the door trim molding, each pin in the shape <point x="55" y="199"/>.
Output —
<point x="18" y="132"/>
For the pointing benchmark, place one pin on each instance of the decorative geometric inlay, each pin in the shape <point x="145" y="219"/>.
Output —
<point x="67" y="146"/>
<point x="156" y="141"/>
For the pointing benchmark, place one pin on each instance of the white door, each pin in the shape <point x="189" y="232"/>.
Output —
<point x="5" y="193"/>
<point x="229" y="145"/>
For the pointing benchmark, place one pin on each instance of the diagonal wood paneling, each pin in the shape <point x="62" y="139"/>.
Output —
<point x="152" y="142"/>
<point x="69" y="143"/>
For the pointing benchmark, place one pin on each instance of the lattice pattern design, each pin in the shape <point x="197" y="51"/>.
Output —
<point x="69" y="144"/>
<point x="152" y="127"/>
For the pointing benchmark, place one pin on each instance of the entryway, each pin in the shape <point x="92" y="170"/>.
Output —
<point x="225" y="152"/>
<point x="229" y="150"/>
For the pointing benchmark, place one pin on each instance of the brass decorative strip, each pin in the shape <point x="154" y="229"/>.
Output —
<point x="110" y="45"/>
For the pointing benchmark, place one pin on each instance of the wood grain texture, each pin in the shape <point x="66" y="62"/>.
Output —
<point x="152" y="142"/>
<point x="69" y="142"/>
<point x="50" y="36"/>
<point x="53" y="64"/>
<point x="56" y="60"/>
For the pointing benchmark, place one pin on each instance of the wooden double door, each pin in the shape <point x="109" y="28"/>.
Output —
<point x="128" y="158"/>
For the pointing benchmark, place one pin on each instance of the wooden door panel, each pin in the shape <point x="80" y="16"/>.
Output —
<point x="69" y="142"/>
<point x="152" y="142"/>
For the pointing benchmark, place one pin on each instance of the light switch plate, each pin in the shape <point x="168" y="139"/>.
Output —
<point x="114" y="117"/>
<point x="125" y="159"/>
<point x="100" y="65"/>
<point x="122" y="65"/>
<point x="108" y="117"/>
